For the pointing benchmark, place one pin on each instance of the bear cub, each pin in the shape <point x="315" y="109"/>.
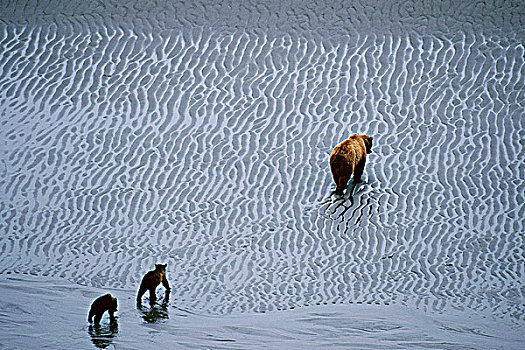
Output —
<point x="349" y="157"/>
<point x="101" y="305"/>
<point x="151" y="280"/>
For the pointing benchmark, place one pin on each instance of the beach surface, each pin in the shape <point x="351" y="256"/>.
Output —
<point x="198" y="133"/>
<point x="60" y="323"/>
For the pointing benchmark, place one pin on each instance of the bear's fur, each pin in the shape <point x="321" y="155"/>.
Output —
<point x="151" y="280"/>
<point x="349" y="157"/>
<point x="101" y="305"/>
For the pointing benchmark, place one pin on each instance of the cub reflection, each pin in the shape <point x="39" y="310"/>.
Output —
<point x="102" y="335"/>
<point x="157" y="311"/>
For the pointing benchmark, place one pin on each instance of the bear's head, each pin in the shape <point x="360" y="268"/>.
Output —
<point x="161" y="267"/>
<point x="368" y="143"/>
<point x="114" y="307"/>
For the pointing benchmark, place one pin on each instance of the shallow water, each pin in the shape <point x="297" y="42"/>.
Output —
<point x="199" y="134"/>
<point x="63" y="324"/>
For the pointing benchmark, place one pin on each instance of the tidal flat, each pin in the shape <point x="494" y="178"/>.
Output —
<point x="197" y="134"/>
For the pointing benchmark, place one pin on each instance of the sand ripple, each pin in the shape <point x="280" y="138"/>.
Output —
<point x="126" y="143"/>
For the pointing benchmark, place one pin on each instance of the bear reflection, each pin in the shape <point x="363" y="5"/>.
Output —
<point x="102" y="335"/>
<point x="157" y="311"/>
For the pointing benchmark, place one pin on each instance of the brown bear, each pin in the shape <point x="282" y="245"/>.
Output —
<point x="349" y="157"/>
<point x="101" y="305"/>
<point x="151" y="280"/>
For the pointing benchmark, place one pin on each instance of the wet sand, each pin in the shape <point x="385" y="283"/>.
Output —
<point x="198" y="135"/>
<point x="62" y="324"/>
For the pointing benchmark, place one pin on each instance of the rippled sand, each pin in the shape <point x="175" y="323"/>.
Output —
<point x="199" y="134"/>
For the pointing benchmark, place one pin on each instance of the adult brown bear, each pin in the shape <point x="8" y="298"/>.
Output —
<point x="101" y="305"/>
<point x="151" y="280"/>
<point x="349" y="157"/>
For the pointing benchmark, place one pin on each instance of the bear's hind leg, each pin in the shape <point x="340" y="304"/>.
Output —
<point x="336" y="179"/>
<point x="152" y="295"/>
<point x="341" y="183"/>
<point x="142" y="290"/>
<point x="358" y="173"/>
<point x="98" y="317"/>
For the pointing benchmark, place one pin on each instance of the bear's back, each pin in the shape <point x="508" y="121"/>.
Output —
<point x="105" y="302"/>
<point x="153" y="277"/>
<point x="350" y="147"/>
